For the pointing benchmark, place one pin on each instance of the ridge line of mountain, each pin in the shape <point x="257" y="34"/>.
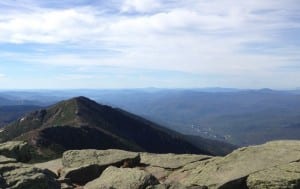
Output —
<point x="81" y="123"/>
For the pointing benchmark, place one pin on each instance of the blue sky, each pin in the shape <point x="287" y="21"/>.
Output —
<point x="149" y="43"/>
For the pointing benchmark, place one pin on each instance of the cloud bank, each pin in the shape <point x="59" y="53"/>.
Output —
<point x="220" y="43"/>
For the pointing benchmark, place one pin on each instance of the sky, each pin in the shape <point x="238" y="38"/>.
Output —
<point x="55" y="44"/>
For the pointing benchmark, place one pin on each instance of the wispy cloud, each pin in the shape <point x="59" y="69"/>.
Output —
<point x="143" y="6"/>
<point x="241" y="41"/>
<point x="74" y="77"/>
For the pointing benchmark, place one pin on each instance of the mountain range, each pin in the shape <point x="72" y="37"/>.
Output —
<point x="80" y="123"/>
<point x="240" y="117"/>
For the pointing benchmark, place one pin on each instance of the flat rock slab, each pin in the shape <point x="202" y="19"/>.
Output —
<point x="82" y="166"/>
<point x="21" y="176"/>
<point x="18" y="150"/>
<point x="280" y="177"/>
<point x="174" y="186"/>
<point x="4" y="160"/>
<point x="170" y="161"/>
<point x="77" y="158"/>
<point x="232" y="170"/>
<point x="160" y="173"/>
<point x="184" y="173"/>
<point x="122" y="178"/>
<point x="54" y="165"/>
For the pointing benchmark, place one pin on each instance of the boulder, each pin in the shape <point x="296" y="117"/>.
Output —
<point x="18" y="150"/>
<point x="170" y="161"/>
<point x="20" y="176"/>
<point x="232" y="170"/>
<point x="122" y="178"/>
<point x="285" y="176"/>
<point x="82" y="166"/>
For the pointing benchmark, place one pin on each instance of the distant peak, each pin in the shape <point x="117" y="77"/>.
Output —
<point x="83" y="101"/>
<point x="266" y="90"/>
<point x="81" y="98"/>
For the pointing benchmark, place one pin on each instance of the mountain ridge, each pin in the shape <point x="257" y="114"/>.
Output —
<point x="81" y="123"/>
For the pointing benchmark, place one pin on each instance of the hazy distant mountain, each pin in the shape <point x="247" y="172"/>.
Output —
<point x="11" y="113"/>
<point x="9" y="102"/>
<point x="81" y="123"/>
<point x="5" y="102"/>
<point x="241" y="117"/>
<point x="39" y="98"/>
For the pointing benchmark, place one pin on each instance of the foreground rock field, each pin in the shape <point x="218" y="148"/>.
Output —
<point x="273" y="165"/>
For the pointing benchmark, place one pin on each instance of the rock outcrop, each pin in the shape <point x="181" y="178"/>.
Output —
<point x="82" y="166"/>
<point x="22" y="176"/>
<point x="175" y="186"/>
<point x="233" y="170"/>
<point x="278" y="177"/>
<point x="162" y="165"/>
<point x="125" y="178"/>
<point x="273" y="165"/>
<point x="170" y="161"/>
<point x="18" y="150"/>
<point x="17" y="175"/>
<point x="54" y="166"/>
<point x="4" y="160"/>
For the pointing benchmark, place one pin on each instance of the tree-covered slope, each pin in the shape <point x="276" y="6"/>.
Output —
<point x="81" y="123"/>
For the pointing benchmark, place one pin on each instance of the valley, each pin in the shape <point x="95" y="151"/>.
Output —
<point x="240" y="117"/>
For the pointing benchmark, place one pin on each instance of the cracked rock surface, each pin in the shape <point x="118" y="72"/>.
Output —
<point x="285" y="176"/>
<point x="274" y="165"/>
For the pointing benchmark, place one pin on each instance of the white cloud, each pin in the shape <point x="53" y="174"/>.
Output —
<point x="46" y="26"/>
<point x="204" y="37"/>
<point x="142" y="6"/>
<point x="86" y="24"/>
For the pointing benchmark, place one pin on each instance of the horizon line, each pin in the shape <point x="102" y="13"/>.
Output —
<point x="148" y="88"/>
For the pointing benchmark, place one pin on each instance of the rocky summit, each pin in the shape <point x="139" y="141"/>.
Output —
<point x="273" y="165"/>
